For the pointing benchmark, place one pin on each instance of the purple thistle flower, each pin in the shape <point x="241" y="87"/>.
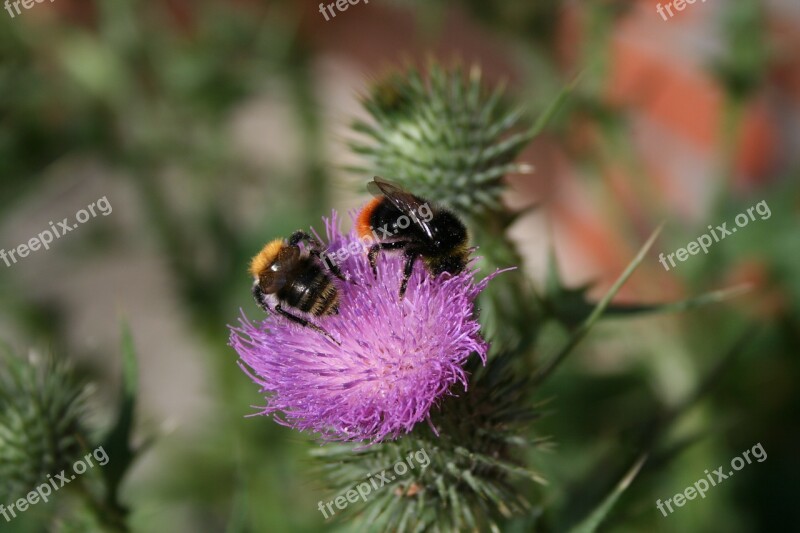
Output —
<point x="397" y="358"/>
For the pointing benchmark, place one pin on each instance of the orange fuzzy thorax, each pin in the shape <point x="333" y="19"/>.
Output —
<point x="265" y="257"/>
<point x="363" y="226"/>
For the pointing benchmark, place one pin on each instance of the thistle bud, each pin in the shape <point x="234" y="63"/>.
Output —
<point x="445" y="137"/>
<point x="42" y="410"/>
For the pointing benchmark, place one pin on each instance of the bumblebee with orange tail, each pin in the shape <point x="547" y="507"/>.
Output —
<point x="403" y="222"/>
<point x="284" y="273"/>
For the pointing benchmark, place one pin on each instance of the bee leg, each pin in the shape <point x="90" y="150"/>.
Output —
<point x="315" y="250"/>
<point x="407" y="271"/>
<point x="303" y="322"/>
<point x="260" y="297"/>
<point x="332" y="267"/>
<point x="336" y="271"/>
<point x="375" y="248"/>
<point x="372" y="255"/>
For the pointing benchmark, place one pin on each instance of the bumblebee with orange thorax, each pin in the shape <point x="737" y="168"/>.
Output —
<point x="415" y="227"/>
<point x="282" y="272"/>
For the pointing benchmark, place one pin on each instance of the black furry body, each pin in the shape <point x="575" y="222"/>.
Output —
<point x="443" y="251"/>
<point x="401" y="221"/>
<point x="297" y="281"/>
<point x="309" y="289"/>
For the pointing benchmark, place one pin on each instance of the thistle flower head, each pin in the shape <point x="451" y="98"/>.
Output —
<point x="397" y="357"/>
<point x="42" y="412"/>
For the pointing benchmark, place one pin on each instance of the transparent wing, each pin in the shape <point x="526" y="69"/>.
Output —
<point x="404" y="201"/>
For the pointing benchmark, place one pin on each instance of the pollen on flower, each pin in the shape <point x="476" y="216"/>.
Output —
<point x="397" y="359"/>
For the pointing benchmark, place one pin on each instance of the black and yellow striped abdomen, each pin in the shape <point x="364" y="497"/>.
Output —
<point x="310" y="289"/>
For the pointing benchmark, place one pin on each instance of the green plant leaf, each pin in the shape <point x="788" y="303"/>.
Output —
<point x="596" y="517"/>
<point x="117" y="442"/>
<point x="596" y="313"/>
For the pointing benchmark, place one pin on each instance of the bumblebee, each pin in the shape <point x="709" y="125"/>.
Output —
<point x="400" y="221"/>
<point x="294" y="279"/>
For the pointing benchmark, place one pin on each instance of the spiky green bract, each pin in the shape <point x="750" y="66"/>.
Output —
<point x="442" y="136"/>
<point x="472" y="480"/>
<point x="511" y="310"/>
<point x="42" y="411"/>
<point x="445" y="137"/>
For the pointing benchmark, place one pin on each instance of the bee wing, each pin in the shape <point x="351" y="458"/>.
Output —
<point x="407" y="203"/>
